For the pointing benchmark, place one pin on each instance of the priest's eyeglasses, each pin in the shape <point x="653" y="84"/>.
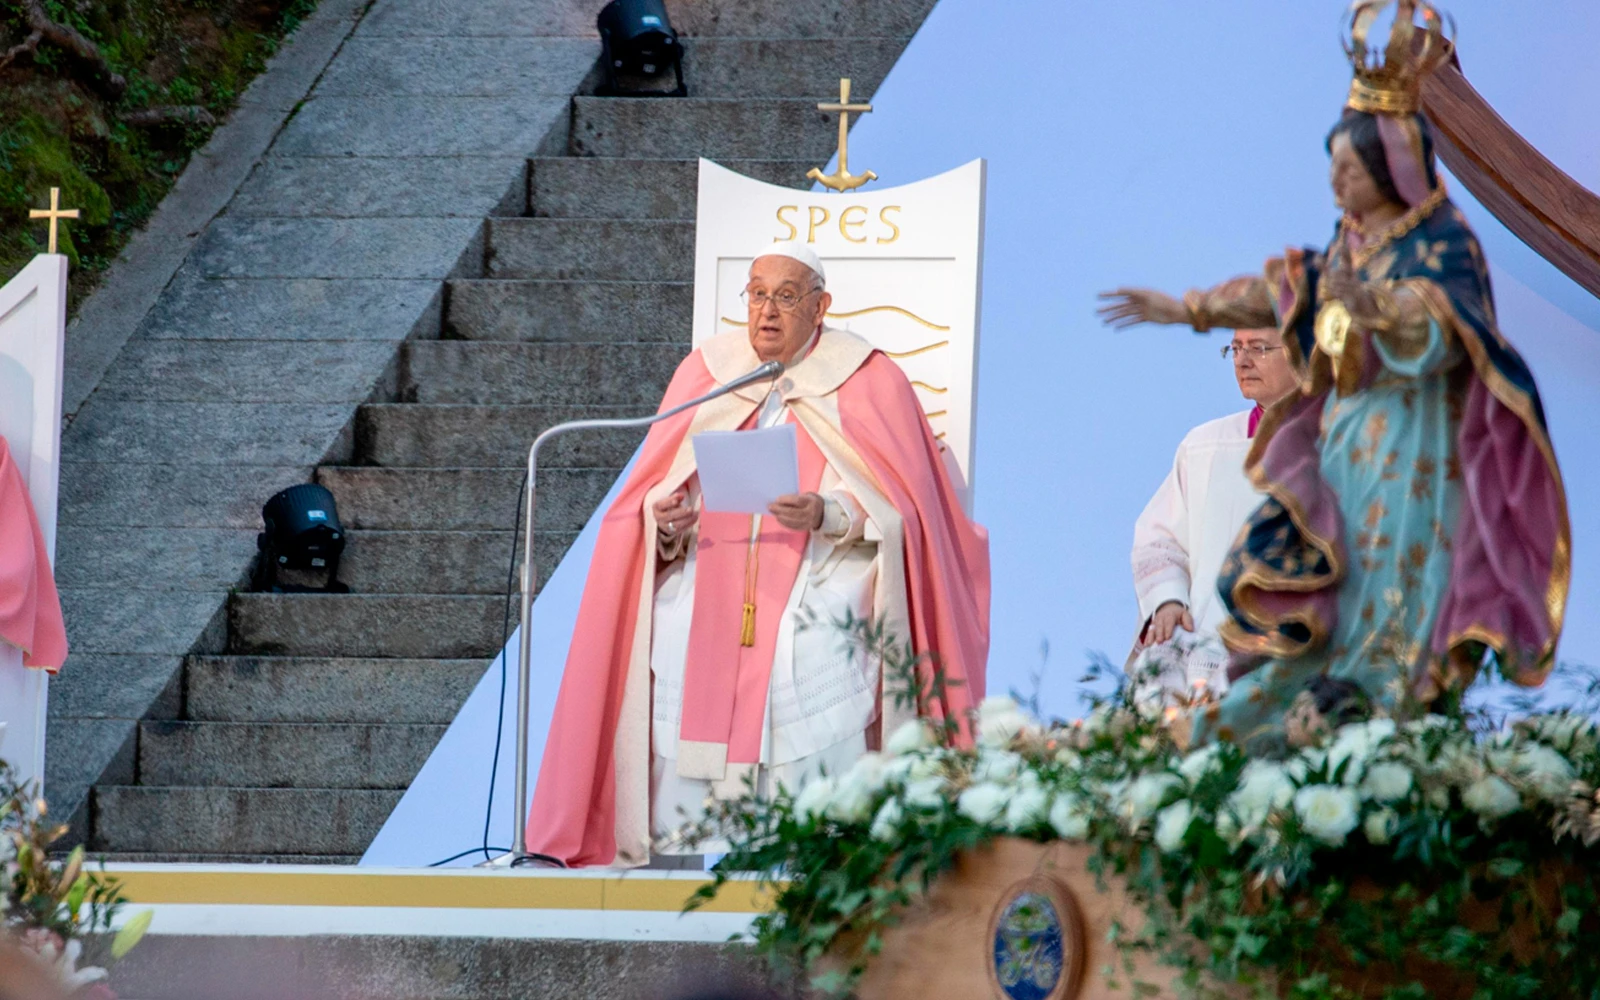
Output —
<point x="1255" y="352"/>
<point x="786" y="300"/>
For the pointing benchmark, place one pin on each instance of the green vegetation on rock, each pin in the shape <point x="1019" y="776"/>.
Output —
<point x="113" y="122"/>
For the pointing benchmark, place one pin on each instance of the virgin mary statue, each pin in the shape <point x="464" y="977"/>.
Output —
<point x="1415" y="519"/>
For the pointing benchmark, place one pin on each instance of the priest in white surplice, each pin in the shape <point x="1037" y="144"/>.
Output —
<point x="692" y="668"/>
<point x="1187" y="528"/>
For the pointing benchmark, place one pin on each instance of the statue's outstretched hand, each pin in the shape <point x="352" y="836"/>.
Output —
<point x="1127" y="307"/>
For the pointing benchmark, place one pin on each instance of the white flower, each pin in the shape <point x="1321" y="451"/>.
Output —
<point x="999" y="766"/>
<point x="1560" y="730"/>
<point x="1491" y="798"/>
<point x="1328" y="812"/>
<point x="1549" y="773"/>
<point x="1228" y="827"/>
<point x="1147" y="794"/>
<point x="887" y="823"/>
<point x="1029" y="807"/>
<point x="63" y="961"/>
<point x="1355" y="743"/>
<point x="1068" y="817"/>
<point x="1387" y="781"/>
<point x="867" y="770"/>
<point x="999" y="721"/>
<point x="983" y="803"/>
<point x="1172" y="824"/>
<point x="913" y="735"/>
<point x="1201" y="763"/>
<point x="1379" y="825"/>
<point x="813" y="799"/>
<point x="925" y="793"/>
<point x="1263" y="787"/>
<point x="852" y="799"/>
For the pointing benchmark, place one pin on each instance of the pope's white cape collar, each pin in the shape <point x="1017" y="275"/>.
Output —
<point x="836" y="356"/>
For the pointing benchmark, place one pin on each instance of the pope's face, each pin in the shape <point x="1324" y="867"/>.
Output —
<point x="1354" y="190"/>
<point x="778" y="333"/>
<point x="1262" y="366"/>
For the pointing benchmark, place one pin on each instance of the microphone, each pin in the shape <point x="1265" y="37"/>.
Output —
<point x="519" y="842"/>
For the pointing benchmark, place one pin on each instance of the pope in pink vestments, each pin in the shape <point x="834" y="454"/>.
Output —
<point x="703" y="654"/>
<point x="30" y="609"/>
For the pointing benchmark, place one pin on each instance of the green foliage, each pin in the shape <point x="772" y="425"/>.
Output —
<point x="1386" y="861"/>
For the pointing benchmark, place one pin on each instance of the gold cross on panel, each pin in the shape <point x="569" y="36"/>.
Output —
<point x="55" y="213"/>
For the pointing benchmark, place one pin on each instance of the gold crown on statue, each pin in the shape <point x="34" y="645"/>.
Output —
<point x="1392" y="83"/>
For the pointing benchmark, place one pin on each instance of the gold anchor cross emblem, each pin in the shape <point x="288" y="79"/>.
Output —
<point x="844" y="180"/>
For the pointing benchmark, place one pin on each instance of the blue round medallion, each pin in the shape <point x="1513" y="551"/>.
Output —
<point x="1029" y="952"/>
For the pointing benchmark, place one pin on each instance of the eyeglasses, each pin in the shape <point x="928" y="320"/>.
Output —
<point x="1255" y="352"/>
<point x="787" y="300"/>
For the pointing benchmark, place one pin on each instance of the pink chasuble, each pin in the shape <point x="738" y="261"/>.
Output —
<point x="725" y="683"/>
<point x="30" y="609"/>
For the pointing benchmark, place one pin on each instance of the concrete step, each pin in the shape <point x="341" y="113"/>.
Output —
<point x="394" y="967"/>
<point x="459" y="436"/>
<point x="465" y="371"/>
<point x="811" y="19"/>
<point x="582" y="187"/>
<point x="711" y="127"/>
<point x="322" y="689"/>
<point x="590" y="249"/>
<point x="779" y="66"/>
<point x="405" y="626"/>
<point x="570" y="311"/>
<point x="283" y="755"/>
<point x="461" y="499"/>
<point x="254" y="821"/>
<point x="443" y="562"/>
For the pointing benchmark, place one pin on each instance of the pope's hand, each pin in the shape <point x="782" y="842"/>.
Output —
<point x="1164" y="623"/>
<point x="799" y="512"/>
<point x="1127" y="307"/>
<point x="674" y="516"/>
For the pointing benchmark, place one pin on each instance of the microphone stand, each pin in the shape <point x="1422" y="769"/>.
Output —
<point x="519" y="854"/>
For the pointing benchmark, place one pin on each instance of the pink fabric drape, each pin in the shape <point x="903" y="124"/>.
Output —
<point x="30" y="608"/>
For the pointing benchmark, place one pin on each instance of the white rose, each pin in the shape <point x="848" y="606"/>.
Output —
<point x="1560" y="730"/>
<point x="1387" y="781"/>
<point x="1202" y="762"/>
<point x="926" y="765"/>
<point x="867" y="770"/>
<point x="1328" y="812"/>
<point x="1147" y="794"/>
<point x="813" y="798"/>
<point x="1547" y="771"/>
<point x="983" y="803"/>
<point x="1379" y="825"/>
<point x="1491" y="798"/>
<point x="1069" y="818"/>
<point x="1028" y="808"/>
<point x="852" y="799"/>
<point x="913" y="735"/>
<point x="1172" y="824"/>
<point x="886" y="825"/>
<point x="1228" y="827"/>
<point x="1355" y="743"/>
<point x="1263" y="787"/>
<point x="999" y="766"/>
<point x="926" y="793"/>
<point x="999" y="720"/>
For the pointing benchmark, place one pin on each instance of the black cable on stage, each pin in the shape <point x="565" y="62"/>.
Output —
<point x="500" y="714"/>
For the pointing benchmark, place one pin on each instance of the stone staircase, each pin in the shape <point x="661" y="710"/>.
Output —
<point x="297" y="743"/>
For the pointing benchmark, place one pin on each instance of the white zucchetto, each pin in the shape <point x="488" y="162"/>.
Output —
<point x="794" y="250"/>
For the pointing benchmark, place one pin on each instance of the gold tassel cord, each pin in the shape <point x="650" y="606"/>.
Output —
<point x="752" y="566"/>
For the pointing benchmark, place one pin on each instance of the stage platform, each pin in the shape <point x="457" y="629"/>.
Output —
<point x="304" y="900"/>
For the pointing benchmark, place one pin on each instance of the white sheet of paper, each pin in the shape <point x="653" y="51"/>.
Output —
<point x="741" y="472"/>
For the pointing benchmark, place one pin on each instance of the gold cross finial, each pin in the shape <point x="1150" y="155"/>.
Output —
<point x="844" y="180"/>
<point x="55" y="213"/>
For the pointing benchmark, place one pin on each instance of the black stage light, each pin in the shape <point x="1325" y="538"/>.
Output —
<point x="303" y="534"/>
<point x="636" y="40"/>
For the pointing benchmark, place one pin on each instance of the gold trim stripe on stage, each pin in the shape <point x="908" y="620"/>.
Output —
<point x="499" y="891"/>
<point x="900" y="355"/>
